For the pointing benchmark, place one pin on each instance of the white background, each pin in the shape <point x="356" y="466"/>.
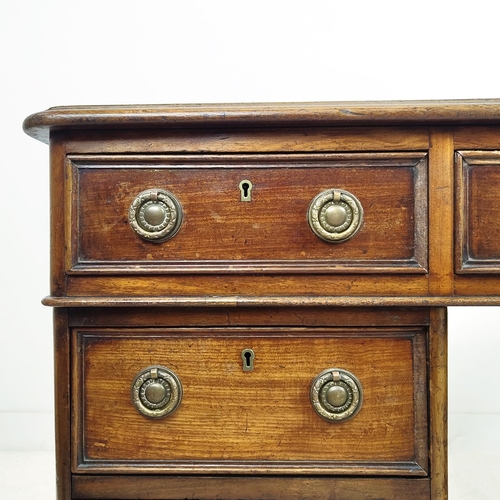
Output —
<point x="63" y="52"/>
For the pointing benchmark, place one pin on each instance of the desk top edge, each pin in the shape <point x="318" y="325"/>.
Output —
<point x="347" y="113"/>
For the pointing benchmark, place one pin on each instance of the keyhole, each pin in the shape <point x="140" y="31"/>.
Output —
<point x="246" y="190"/>
<point x="247" y="356"/>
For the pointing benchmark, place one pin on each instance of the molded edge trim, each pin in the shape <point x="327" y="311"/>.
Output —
<point x="468" y="111"/>
<point x="269" y="301"/>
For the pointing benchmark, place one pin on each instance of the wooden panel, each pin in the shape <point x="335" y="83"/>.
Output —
<point x="248" y="140"/>
<point x="248" y="488"/>
<point x="248" y="286"/>
<point x="477" y="138"/>
<point x="262" y="420"/>
<point x="222" y="234"/>
<point x="438" y="403"/>
<point x="62" y="400"/>
<point x="248" y="316"/>
<point x="483" y="286"/>
<point x="58" y="213"/>
<point x="478" y="212"/>
<point x="441" y="213"/>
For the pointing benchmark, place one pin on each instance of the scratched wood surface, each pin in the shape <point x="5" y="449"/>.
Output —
<point x="270" y="232"/>
<point x="430" y="238"/>
<point x="263" y="415"/>
<point x="478" y="111"/>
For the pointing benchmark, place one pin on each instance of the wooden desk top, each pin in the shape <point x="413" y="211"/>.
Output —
<point x="457" y="112"/>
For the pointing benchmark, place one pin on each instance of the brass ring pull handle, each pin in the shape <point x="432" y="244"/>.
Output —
<point x="336" y="395"/>
<point x="335" y="215"/>
<point x="155" y="215"/>
<point x="156" y="392"/>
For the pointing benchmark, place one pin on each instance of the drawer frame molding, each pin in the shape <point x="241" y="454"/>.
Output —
<point x="77" y="263"/>
<point x="84" y="339"/>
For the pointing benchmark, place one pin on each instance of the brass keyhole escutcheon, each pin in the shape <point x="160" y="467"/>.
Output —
<point x="247" y="358"/>
<point x="246" y="190"/>
<point x="336" y="395"/>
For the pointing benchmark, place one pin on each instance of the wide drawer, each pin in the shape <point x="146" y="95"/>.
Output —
<point x="233" y="418"/>
<point x="248" y="213"/>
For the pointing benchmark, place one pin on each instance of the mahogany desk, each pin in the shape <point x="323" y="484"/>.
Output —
<point x="250" y="300"/>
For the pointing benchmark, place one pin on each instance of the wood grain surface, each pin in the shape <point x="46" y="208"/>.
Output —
<point x="384" y="259"/>
<point x="478" y="111"/>
<point x="262" y="418"/>
<point x="253" y="275"/>
<point x="478" y="212"/>
<point x="270" y="233"/>
<point x="251" y="488"/>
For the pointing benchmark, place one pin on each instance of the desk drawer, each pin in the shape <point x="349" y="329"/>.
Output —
<point x="249" y="213"/>
<point x="478" y="212"/>
<point x="232" y="413"/>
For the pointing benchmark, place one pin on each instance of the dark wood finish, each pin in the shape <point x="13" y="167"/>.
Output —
<point x="272" y="114"/>
<point x="253" y="488"/>
<point x="252" y="274"/>
<point x="395" y="244"/>
<point x="57" y="217"/>
<point x="273" y="315"/>
<point x="248" y="286"/>
<point x="62" y="397"/>
<point x="267" y="234"/>
<point x="478" y="212"/>
<point x="438" y="403"/>
<point x="247" y="140"/>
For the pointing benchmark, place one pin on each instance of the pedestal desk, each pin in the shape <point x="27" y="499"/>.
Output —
<point x="250" y="300"/>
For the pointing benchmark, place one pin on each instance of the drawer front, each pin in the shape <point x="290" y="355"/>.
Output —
<point x="241" y="415"/>
<point x="249" y="213"/>
<point x="478" y="212"/>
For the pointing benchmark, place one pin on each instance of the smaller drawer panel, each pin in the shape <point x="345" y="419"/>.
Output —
<point x="246" y="421"/>
<point x="478" y="212"/>
<point x="220" y="233"/>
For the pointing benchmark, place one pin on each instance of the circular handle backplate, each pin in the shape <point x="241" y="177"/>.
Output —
<point x="336" y="395"/>
<point x="335" y="215"/>
<point x="155" y="215"/>
<point x="156" y="392"/>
